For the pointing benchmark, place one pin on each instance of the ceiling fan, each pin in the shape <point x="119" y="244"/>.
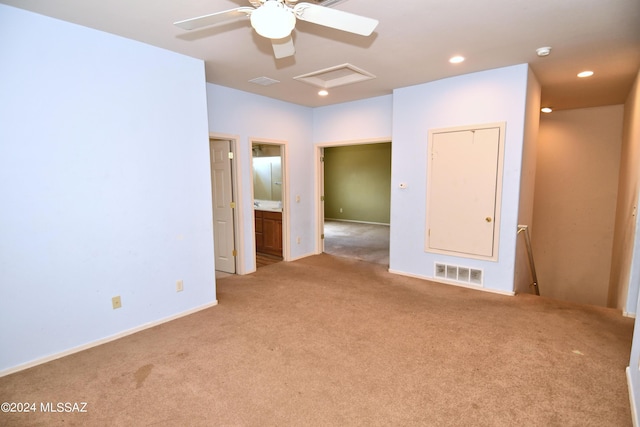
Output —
<point x="275" y="19"/>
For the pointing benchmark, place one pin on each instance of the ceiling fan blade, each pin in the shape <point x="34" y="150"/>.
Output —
<point x="283" y="47"/>
<point x="214" y="18"/>
<point x="337" y="19"/>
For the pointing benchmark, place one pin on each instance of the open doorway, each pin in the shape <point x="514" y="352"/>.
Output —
<point x="269" y="201"/>
<point x="355" y="187"/>
<point x="223" y="195"/>
<point x="578" y="183"/>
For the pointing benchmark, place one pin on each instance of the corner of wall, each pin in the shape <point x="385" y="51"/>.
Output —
<point x="523" y="273"/>
<point x="632" y="133"/>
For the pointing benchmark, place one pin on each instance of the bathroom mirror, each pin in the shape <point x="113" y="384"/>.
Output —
<point x="267" y="172"/>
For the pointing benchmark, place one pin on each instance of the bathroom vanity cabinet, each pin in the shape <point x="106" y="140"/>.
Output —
<point x="269" y="232"/>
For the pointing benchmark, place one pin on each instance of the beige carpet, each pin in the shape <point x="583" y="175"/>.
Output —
<point x="331" y="341"/>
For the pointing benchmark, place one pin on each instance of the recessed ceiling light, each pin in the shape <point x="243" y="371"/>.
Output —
<point x="456" y="59"/>
<point x="585" y="74"/>
<point x="546" y="109"/>
<point x="323" y="93"/>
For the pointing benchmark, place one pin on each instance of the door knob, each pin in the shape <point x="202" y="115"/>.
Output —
<point x="488" y="219"/>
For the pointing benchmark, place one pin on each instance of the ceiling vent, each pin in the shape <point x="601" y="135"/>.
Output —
<point x="325" y="3"/>
<point x="335" y="76"/>
<point x="264" y="81"/>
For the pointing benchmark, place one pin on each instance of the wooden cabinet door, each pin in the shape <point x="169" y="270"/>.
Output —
<point x="272" y="233"/>
<point x="259" y="232"/>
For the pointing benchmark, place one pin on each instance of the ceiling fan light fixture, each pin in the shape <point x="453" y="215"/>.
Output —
<point x="273" y="20"/>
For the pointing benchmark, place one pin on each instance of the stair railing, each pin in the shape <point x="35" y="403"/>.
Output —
<point x="527" y="240"/>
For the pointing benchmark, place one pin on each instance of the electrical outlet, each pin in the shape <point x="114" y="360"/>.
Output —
<point x="116" y="302"/>
<point x="179" y="286"/>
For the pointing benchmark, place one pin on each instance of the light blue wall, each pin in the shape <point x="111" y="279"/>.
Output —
<point x="251" y="116"/>
<point x="523" y="273"/>
<point x="354" y="121"/>
<point x="104" y="186"/>
<point x="485" y="97"/>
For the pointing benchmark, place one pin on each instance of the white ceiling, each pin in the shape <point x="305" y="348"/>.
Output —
<point x="411" y="45"/>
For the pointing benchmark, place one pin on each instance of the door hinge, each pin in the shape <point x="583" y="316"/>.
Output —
<point x="232" y="205"/>
<point x="322" y="236"/>
<point x="322" y="159"/>
<point x="230" y="155"/>
<point x="234" y="253"/>
<point x="322" y="198"/>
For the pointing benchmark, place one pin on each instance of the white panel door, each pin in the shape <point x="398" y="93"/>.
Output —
<point x="223" y="231"/>
<point x="463" y="192"/>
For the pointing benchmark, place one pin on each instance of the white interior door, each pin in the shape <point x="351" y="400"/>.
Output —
<point x="464" y="176"/>
<point x="222" y="189"/>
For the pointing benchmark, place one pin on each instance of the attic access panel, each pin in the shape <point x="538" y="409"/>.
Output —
<point x="464" y="190"/>
<point x="335" y="76"/>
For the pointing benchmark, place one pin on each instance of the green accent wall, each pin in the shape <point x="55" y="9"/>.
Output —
<point x="357" y="179"/>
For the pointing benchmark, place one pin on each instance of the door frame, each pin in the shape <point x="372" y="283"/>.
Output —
<point x="284" y="155"/>
<point x="319" y="179"/>
<point x="237" y="197"/>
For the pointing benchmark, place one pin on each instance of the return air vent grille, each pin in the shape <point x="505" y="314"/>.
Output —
<point x="325" y="3"/>
<point x="457" y="273"/>
<point x="264" y="81"/>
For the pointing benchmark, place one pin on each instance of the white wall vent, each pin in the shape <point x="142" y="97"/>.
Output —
<point x="264" y="81"/>
<point x="457" y="273"/>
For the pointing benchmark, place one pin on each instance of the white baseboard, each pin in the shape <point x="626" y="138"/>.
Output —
<point x="444" y="282"/>
<point x="627" y="314"/>
<point x="358" y="221"/>
<point x="632" y="399"/>
<point x="105" y="340"/>
<point x="301" y="256"/>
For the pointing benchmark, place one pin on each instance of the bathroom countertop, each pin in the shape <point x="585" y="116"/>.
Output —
<point x="267" y="205"/>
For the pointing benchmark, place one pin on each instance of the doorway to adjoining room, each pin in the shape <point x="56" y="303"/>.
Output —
<point x="268" y="183"/>
<point x="356" y="188"/>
